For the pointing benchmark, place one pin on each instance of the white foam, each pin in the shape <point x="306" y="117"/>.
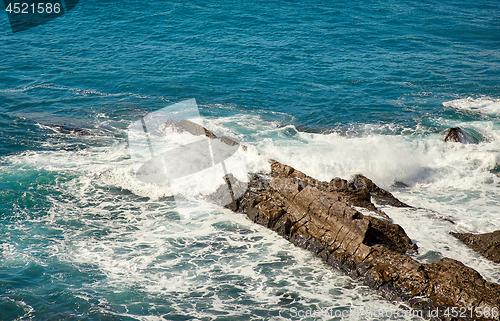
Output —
<point x="483" y="105"/>
<point x="436" y="172"/>
<point x="386" y="159"/>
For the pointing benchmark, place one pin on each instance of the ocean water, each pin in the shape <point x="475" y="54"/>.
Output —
<point x="331" y="88"/>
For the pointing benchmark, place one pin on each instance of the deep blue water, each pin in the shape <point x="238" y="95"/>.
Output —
<point x="320" y="81"/>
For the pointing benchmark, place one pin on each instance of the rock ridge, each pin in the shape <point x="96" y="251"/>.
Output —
<point x="487" y="244"/>
<point x="319" y="216"/>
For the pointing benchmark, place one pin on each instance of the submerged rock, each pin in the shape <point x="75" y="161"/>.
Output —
<point x="455" y="134"/>
<point x="185" y="125"/>
<point x="70" y="129"/>
<point x="318" y="216"/>
<point x="464" y="136"/>
<point x="488" y="244"/>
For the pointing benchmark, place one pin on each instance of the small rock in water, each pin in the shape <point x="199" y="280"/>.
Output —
<point x="70" y="129"/>
<point x="464" y="136"/>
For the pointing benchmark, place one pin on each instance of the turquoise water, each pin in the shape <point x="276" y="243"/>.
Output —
<point x="330" y="88"/>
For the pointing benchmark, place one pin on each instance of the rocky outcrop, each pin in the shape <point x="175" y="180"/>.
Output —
<point x="318" y="216"/>
<point x="488" y="244"/>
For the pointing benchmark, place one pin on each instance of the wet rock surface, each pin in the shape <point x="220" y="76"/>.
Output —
<point x="318" y="216"/>
<point x="464" y="136"/>
<point x="488" y="244"/>
<point x="455" y="134"/>
<point x="70" y="129"/>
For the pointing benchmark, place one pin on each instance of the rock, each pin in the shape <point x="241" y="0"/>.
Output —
<point x="318" y="216"/>
<point x="70" y="129"/>
<point x="185" y="125"/>
<point x="380" y="196"/>
<point x="488" y="244"/>
<point x="226" y="195"/>
<point x="455" y="134"/>
<point x="357" y="192"/>
<point x="464" y="136"/>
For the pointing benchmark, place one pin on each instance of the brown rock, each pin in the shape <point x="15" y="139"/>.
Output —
<point x="381" y="196"/>
<point x="459" y="135"/>
<point x="357" y="192"/>
<point x="488" y="245"/>
<point x="455" y="134"/>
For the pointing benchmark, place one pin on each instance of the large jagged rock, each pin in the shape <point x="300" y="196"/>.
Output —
<point x="318" y="216"/>
<point x="488" y="244"/>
